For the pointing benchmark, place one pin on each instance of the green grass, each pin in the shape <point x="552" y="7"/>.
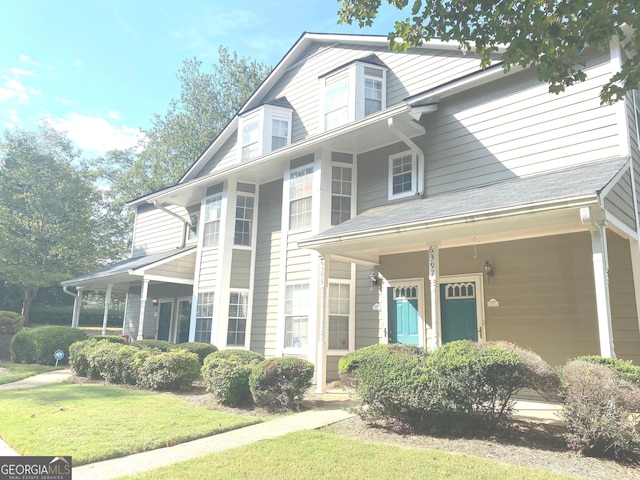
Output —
<point x="314" y="454"/>
<point x="96" y="422"/>
<point x="19" y="371"/>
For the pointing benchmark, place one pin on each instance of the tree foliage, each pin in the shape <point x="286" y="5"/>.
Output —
<point x="51" y="218"/>
<point x="551" y="35"/>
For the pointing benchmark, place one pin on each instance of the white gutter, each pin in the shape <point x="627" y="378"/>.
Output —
<point x="64" y="289"/>
<point x="418" y="179"/>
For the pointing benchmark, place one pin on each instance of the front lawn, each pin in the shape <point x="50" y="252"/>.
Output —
<point x="314" y="454"/>
<point x="12" y="372"/>
<point x="95" y="422"/>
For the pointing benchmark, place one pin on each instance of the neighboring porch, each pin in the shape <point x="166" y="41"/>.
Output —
<point x="159" y="290"/>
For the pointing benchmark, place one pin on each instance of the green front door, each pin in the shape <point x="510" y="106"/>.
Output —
<point x="184" y="318"/>
<point x="165" y="310"/>
<point x="403" y="315"/>
<point x="458" y="311"/>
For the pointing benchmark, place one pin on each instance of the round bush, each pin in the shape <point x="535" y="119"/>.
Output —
<point x="173" y="370"/>
<point x="79" y="356"/>
<point x="226" y="374"/>
<point x="10" y="323"/>
<point x="37" y="345"/>
<point x="625" y="368"/>
<point x="277" y="383"/>
<point x="199" y="348"/>
<point x="161" y="345"/>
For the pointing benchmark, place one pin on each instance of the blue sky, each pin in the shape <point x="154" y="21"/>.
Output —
<point x="99" y="69"/>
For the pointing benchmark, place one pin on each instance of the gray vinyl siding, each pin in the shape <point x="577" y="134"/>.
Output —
<point x="369" y="325"/>
<point x="208" y="269"/>
<point x="240" y="269"/>
<point x="156" y="231"/>
<point x="332" y="367"/>
<point x="132" y="314"/>
<point x="339" y="270"/>
<point x="626" y="336"/>
<point x="181" y="268"/>
<point x="227" y="155"/>
<point x="619" y="201"/>
<point x="514" y="127"/>
<point x="267" y="269"/>
<point x="298" y="263"/>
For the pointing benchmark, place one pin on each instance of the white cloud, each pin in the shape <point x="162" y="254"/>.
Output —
<point x="95" y="134"/>
<point x="115" y="115"/>
<point x="27" y="59"/>
<point x="63" y="101"/>
<point x="20" y="72"/>
<point x="13" y="89"/>
<point x="13" y="120"/>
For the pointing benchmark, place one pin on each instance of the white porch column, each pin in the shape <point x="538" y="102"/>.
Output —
<point x="143" y="307"/>
<point x="635" y="270"/>
<point x="107" y="301"/>
<point x="598" y="232"/>
<point x="321" y="350"/>
<point x="77" y="304"/>
<point x="434" y="280"/>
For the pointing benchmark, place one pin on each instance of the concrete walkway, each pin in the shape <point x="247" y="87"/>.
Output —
<point x="40" y="380"/>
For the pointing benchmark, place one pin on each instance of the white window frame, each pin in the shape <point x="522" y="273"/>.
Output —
<point x="340" y="194"/>
<point x="244" y="293"/>
<point x="192" y="227"/>
<point x="296" y="310"/>
<point x="350" y="315"/>
<point x="308" y="171"/>
<point x="264" y="117"/>
<point x="414" y="173"/>
<point x="202" y="315"/>
<point x="207" y="221"/>
<point x="250" y="138"/>
<point x="380" y="76"/>
<point x="244" y="220"/>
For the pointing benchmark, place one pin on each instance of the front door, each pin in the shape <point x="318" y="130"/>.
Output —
<point x="403" y="315"/>
<point x="458" y="311"/>
<point x="165" y="310"/>
<point x="184" y="318"/>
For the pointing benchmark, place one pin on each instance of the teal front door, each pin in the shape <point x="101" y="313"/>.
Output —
<point x="403" y="315"/>
<point x="458" y="311"/>
<point x="165" y="311"/>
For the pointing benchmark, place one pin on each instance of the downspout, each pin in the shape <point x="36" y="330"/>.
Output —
<point x="416" y="150"/>
<point x="64" y="289"/>
<point x="185" y="223"/>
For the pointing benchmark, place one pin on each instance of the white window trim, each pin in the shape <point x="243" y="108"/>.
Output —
<point x="296" y="350"/>
<point x="352" y="322"/>
<point x="253" y="220"/>
<point x="289" y="200"/>
<point x="414" y="172"/>
<point x="213" y="315"/>
<point x="264" y="115"/>
<point x="246" y="320"/>
<point x="202" y="223"/>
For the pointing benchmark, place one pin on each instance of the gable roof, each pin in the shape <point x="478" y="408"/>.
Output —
<point x="571" y="187"/>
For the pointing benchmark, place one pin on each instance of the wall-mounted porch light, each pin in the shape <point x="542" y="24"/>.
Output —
<point x="488" y="270"/>
<point x="374" y="279"/>
<point x="154" y="302"/>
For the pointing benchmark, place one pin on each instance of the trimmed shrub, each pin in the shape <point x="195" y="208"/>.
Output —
<point x="173" y="370"/>
<point x="387" y="380"/>
<point x="109" y="338"/>
<point x="475" y="382"/>
<point x="37" y="345"/>
<point x="226" y="374"/>
<point x="277" y="383"/>
<point x="22" y="348"/>
<point x="102" y="357"/>
<point x="161" y="345"/>
<point x="10" y="323"/>
<point x="199" y="348"/>
<point x="599" y="410"/>
<point x="79" y="356"/>
<point x="625" y="368"/>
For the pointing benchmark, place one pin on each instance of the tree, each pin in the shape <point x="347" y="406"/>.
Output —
<point x="51" y="216"/>
<point x="552" y="35"/>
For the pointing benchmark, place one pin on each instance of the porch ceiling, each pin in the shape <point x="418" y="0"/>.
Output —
<point x="525" y="207"/>
<point x="123" y="274"/>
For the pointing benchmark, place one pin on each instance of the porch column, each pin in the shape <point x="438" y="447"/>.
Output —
<point x="434" y="279"/>
<point x="635" y="270"/>
<point x="77" y="303"/>
<point x="107" y="301"/>
<point x="321" y="350"/>
<point x="143" y="307"/>
<point x="598" y="231"/>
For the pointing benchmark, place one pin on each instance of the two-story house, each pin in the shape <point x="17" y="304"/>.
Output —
<point x="366" y="196"/>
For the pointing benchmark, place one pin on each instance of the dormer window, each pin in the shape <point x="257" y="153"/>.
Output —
<point x="353" y="92"/>
<point x="264" y="130"/>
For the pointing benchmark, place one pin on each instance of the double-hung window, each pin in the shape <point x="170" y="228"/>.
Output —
<point x="372" y="90"/>
<point x="204" y="317"/>
<point x="402" y="172"/>
<point x="300" y="197"/>
<point x="296" y="315"/>
<point x="339" y="312"/>
<point x="263" y="130"/>
<point x="279" y="133"/>
<point x="244" y="220"/>
<point x="212" y="213"/>
<point x="237" y="326"/>
<point x="250" y="139"/>
<point x="340" y="194"/>
<point x="336" y="101"/>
